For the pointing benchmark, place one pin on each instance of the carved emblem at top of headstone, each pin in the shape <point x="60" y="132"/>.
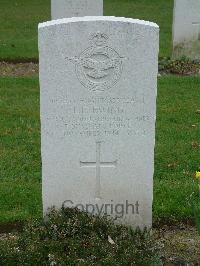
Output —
<point x="99" y="67"/>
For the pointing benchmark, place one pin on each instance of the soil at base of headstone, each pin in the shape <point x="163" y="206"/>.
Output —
<point x="18" y="69"/>
<point x="183" y="68"/>
<point x="180" y="246"/>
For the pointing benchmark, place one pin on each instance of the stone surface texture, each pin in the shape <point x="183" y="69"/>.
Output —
<point x="98" y="80"/>
<point x="186" y="29"/>
<point x="76" y="8"/>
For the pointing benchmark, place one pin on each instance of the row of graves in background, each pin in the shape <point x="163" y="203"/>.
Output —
<point x="186" y="21"/>
<point x="76" y="8"/>
<point x="186" y="29"/>
<point x="98" y="81"/>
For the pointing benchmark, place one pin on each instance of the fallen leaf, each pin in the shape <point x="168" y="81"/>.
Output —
<point x="110" y="240"/>
<point x="171" y="165"/>
<point x="195" y="144"/>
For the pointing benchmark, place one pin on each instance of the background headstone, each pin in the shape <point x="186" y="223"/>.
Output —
<point x="98" y="79"/>
<point x="186" y="29"/>
<point x="76" y="8"/>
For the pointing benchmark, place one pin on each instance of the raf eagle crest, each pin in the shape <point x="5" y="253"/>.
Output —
<point x="99" y="67"/>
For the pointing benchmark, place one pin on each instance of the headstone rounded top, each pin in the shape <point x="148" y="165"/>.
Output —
<point x="97" y="18"/>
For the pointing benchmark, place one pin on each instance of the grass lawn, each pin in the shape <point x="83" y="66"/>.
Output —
<point x="20" y="171"/>
<point x="177" y="150"/>
<point x="176" y="158"/>
<point x="19" y="19"/>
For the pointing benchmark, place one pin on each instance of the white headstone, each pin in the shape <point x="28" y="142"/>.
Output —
<point x="76" y="8"/>
<point x="98" y="79"/>
<point x="186" y="29"/>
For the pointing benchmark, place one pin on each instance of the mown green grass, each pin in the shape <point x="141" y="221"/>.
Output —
<point x="18" y="27"/>
<point x="19" y="20"/>
<point x="20" y="171"/>
<point x="176" y="160"/>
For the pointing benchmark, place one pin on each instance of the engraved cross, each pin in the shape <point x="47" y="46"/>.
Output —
<point x="98" y="164"/>
<point x="197" y="24"/>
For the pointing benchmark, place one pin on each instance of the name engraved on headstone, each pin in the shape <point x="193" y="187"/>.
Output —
<point x="100" y="116"/>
